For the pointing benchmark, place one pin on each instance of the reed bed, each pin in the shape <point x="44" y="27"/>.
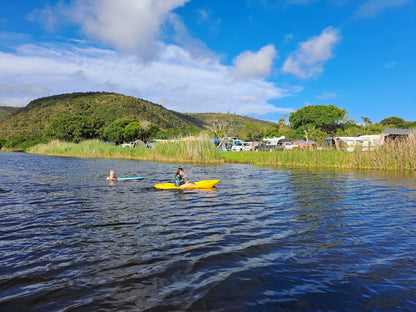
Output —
<point x="395" y="155"/>
<point x="87" y="149"/>
<point x="183" y="151"/>
<point x="399" y="155"/>
<point x="197" y="151"/>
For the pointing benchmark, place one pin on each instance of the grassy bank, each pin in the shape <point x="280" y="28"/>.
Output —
<point x="183" y="151"/>
<point x="392" y="156"/>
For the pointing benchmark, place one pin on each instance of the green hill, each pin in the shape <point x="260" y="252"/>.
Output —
<point x="108" y="107"/>
<point x="40" y="118"/>
<point x="7" y="111"/>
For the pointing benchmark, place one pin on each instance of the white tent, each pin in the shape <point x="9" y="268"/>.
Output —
<point x="275" y="141"/>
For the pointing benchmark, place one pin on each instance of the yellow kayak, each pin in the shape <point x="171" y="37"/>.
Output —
<point x="199" y="185"/>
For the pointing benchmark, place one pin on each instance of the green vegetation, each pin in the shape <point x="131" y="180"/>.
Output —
<point x="327" y="118"/>
<point x="7" y="111"/>
<point x="396" y="122"/>
<point x="195" y="151"/>
<point x="199" y="151"/>
<point x="86" y="149"/>
<point x="220" y="125"/>
<point x="391" y="156"/>
<point x="399" y="155"/>
<point x="99" y="115"/>
<point x="54" y="125"/>
<point x="116" y="131"/>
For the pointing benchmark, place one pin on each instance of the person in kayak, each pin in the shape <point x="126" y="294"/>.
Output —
<point x="180" y="178"/>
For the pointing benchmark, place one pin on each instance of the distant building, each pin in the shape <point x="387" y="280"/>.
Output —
<point x="394" y="134"/>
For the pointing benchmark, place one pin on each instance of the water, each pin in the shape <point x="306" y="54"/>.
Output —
<point x="264" y="239"/>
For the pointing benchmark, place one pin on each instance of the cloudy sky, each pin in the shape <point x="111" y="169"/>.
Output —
<point x="261" y="58"/>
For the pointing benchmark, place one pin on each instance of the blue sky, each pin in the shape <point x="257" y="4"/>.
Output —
<point x="261" y="58"/>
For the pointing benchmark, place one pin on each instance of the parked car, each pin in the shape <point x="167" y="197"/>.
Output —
<point x="242" y="146"/>
<point x="248" y="146"/>
<point x="288" y="146"/>
<point x="265" y="147"/>
<point x="237" y="146"/>
<point x="276" y="145"/>
<point x="129" y="144"/>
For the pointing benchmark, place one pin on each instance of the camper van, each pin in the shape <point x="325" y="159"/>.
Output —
<point x="370" y="142"/>
<point x="348" y="144"/>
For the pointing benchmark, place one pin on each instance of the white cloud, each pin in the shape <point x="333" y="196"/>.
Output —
<point x="176" y="80"/>
<point x="327" y="95"/>
<point x="15" y="101"/>
<point x="125" y="25"/>
<point x="374" y="7"/>
<point x="186" y="78"/>
<point x="258" y="65"/>
<point x="47" y="16"/>
<point x="308" y="60"/>
<point x="24" y="88"/>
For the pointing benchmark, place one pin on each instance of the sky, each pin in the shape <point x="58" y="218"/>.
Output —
<point x="259" y="58"/>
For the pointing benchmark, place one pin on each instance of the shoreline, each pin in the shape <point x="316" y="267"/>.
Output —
<point x="392" y="158"/>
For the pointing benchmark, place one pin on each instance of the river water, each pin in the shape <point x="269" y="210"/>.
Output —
<point x="265" y="239"/>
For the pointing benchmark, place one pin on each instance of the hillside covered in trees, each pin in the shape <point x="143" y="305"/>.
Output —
<point x="78" y="116"/>
<point x="114" y="117"/>
<point x="7" y="111"/>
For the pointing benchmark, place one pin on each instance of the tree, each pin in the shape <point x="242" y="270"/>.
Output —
<point x="394" y="122"/>
<point x="272" y="130"/>
<point x="115" y="130"/>
<point x="132" y="131"/>
<point x="74" y="128"/>
<point x="219" y="127"/>
<point x="252" y="132"/>
<point x="327" y="118"/>
<point x="314" y="134"/>
<point x="152" y="132"/>
<point x="290" y="133"/>
<point x="366" y="120"/>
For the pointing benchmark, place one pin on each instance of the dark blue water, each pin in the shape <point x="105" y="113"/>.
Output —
<point x="264" y="239"/>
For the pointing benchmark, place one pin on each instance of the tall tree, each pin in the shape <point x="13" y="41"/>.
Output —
<point x="115" y="130"/>
<point x="366" y="121"/>
<point x="328" y="118"/>
<point x="132" y="131"/>
<point x="219" y="127"/>
<point x="395" y="122"/>
<point x="252" y="132"/>
<point x="74" y="128"/>
<point x="272" y="130"/>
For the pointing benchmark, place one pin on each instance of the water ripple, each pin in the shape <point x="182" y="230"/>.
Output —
<point x="293" y="240"/>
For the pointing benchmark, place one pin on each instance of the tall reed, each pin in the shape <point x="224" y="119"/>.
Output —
<point x="197" y="151"/>
<point x="87" y="149"/>
<point x="200" y="151"/>
<point x="393" y="155"/>
<point x="399" y="155"/>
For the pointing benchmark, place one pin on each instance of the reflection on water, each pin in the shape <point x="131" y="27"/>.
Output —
<point x="264" y="239"/>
